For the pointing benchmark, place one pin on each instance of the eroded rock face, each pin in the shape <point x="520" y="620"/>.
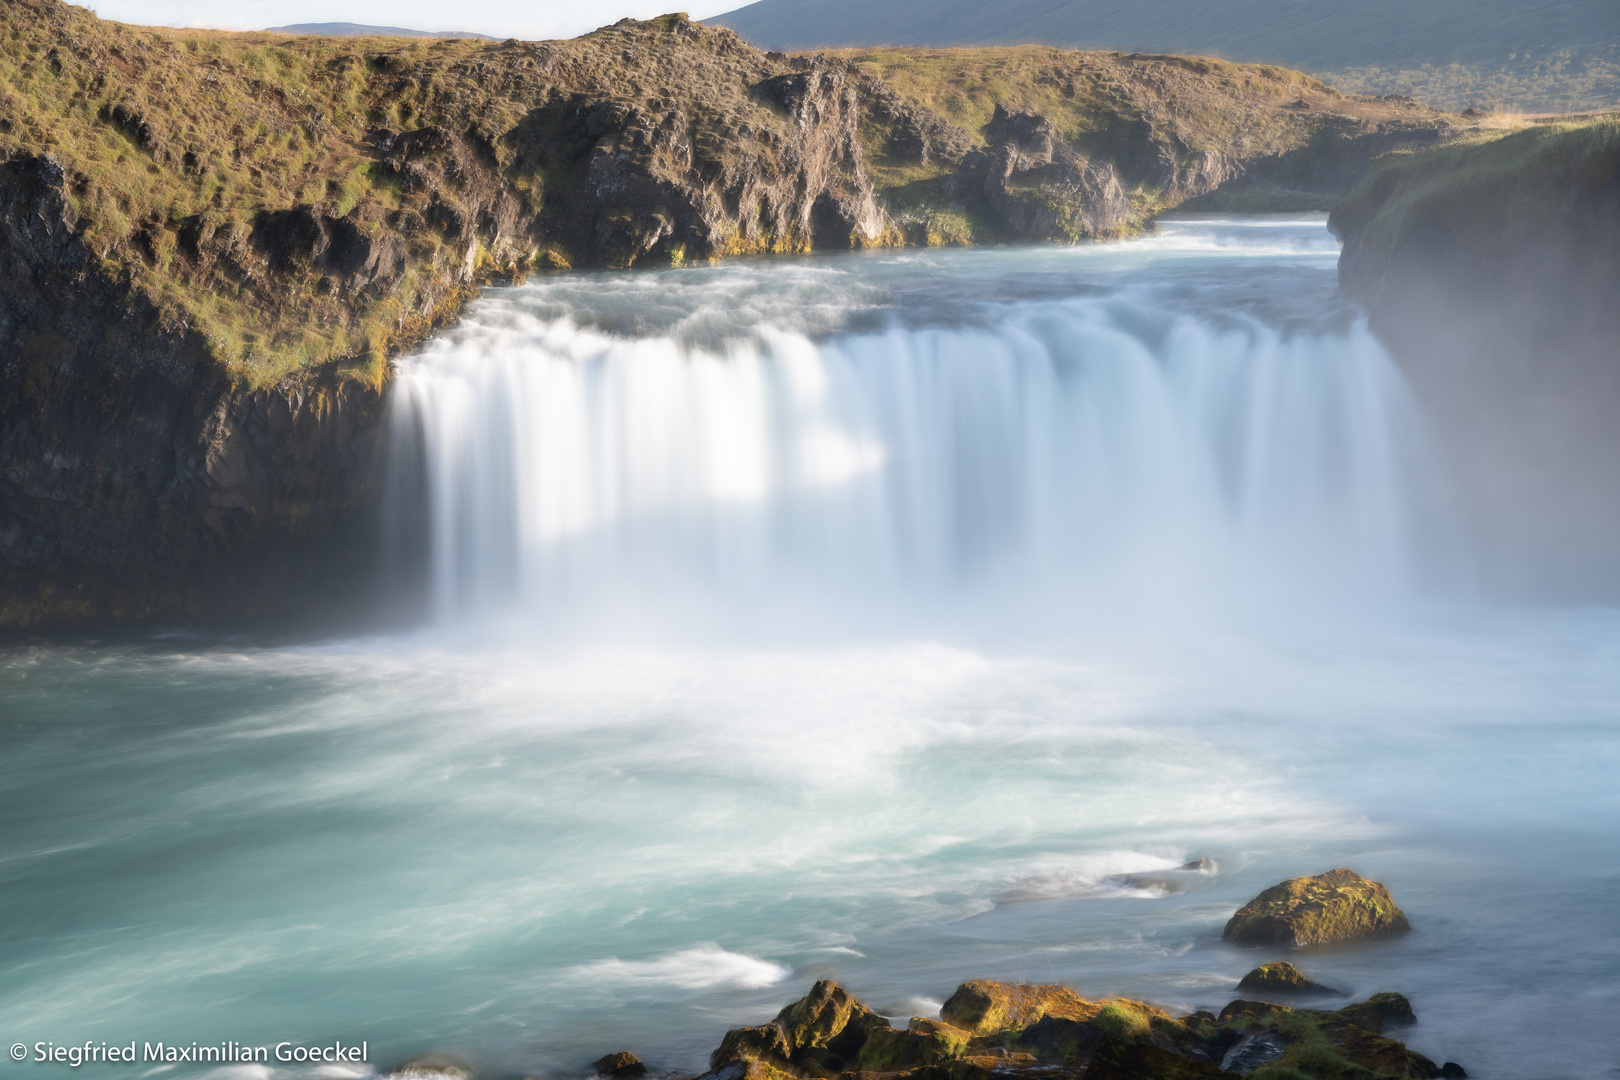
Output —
<point x="1282" y="977"/>
<point x="1492" y="273"/>
<point x="1041" y="188"/>
<point x="139" y="483"/>
<point x="1339" y="905"/>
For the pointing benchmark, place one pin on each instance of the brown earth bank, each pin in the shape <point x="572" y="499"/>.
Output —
<point x="1000" y="1031"/>
<point x="213" y="244"/>
<point x="1491" y="268"/>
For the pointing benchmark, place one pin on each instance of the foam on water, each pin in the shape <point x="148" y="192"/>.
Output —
<point x="1026" y="577"/>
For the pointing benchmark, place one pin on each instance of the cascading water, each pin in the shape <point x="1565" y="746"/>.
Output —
<point x="882" y="619"/>
<point x="1106" y="449"/>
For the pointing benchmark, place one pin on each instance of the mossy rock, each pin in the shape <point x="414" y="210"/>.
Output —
<point x="925" y="1042"/>
<point x="981" y="1007"/>
<point x="1281" y="977"/>
<point x="763" y="1043"/>
<point x="1339" y="905"/>
<point x="620" y="1066"/>
<point x="828" y="1018"/>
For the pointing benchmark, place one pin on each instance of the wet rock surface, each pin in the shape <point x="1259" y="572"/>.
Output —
<point x="1339" y="905"/>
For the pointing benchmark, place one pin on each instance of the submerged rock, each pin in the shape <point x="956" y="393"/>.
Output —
<point x="1339" y="905"/>
<point x="620" y="1066"/>
<point x="1169" y="881"/>
<point x="1282" y="977"/>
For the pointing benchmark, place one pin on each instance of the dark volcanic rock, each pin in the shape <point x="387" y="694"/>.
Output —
<point x="1282" y="977"/>
<point x="1339" y="905"/>
<point x="140" y="483"/>
<point x="1381" y="1011"/>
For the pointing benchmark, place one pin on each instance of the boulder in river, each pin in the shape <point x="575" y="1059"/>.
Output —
<point x="621" y="1066"/>
<point x="1281" y="977"/>
<point x="1339" y="905"/>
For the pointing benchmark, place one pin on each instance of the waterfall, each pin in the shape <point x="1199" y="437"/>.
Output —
<point x="1095" y="451"/>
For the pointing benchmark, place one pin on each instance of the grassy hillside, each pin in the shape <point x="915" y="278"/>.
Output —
<point x="178" y="144"/>
<point x="1529" y="55"/>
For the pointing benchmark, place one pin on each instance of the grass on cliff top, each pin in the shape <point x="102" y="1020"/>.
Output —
<point x="156" y="128"/>
<point x="1075" y="90"/>
<point x="1101" y="101"/>
<point x="1468" y="184"/>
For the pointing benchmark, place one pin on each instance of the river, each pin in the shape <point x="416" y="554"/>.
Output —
<point x="862" y="618"/>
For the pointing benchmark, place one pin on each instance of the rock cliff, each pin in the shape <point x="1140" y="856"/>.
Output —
<point x="1491" y="267"/>
<point x="215" y="243"/>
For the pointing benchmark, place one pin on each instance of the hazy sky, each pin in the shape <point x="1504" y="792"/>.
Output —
<point x="502" y="18"/>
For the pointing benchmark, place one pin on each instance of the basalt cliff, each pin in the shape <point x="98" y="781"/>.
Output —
<point x="212" y="245"/>
<point x="1491" y="268"/>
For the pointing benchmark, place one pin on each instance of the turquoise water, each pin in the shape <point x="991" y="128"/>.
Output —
<point x="573" y="817"/>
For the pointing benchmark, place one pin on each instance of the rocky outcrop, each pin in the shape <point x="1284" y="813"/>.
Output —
<point x="1040" y="188"/>
<point x="1007" y="1031"/>
<point x="1339" y="905"/>
<point x="139" y="482"/>
<point x="1281" y="977"/>
<point x="1491" y="269"/>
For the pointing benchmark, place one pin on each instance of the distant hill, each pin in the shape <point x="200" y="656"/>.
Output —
<point x="349" y="29"/>
<point x="1528" y="54"/>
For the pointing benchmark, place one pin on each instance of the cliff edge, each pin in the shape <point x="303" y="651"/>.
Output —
<point x="1491" y="267"/>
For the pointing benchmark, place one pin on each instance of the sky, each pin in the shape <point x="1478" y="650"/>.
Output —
<point x="528" y="19"/>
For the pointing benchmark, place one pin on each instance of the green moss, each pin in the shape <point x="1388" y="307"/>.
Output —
<point x="1122" y="1019"/>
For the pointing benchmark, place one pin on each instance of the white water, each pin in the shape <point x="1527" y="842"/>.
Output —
<point x="1103" y="452"/>
<point x="1027" y="568"/>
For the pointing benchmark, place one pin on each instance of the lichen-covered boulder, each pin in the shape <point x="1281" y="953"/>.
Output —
<point x="1281" y="977"/>
<point x="763" y="1043"/>
<point x="828" y="1017"/>
<point x="924" y="1042"/>
<point x="621" y="1066"/>
<point x="820" y="1035"/>
<point x="1339" y="905"/>
<point x="981" y="1007"/>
